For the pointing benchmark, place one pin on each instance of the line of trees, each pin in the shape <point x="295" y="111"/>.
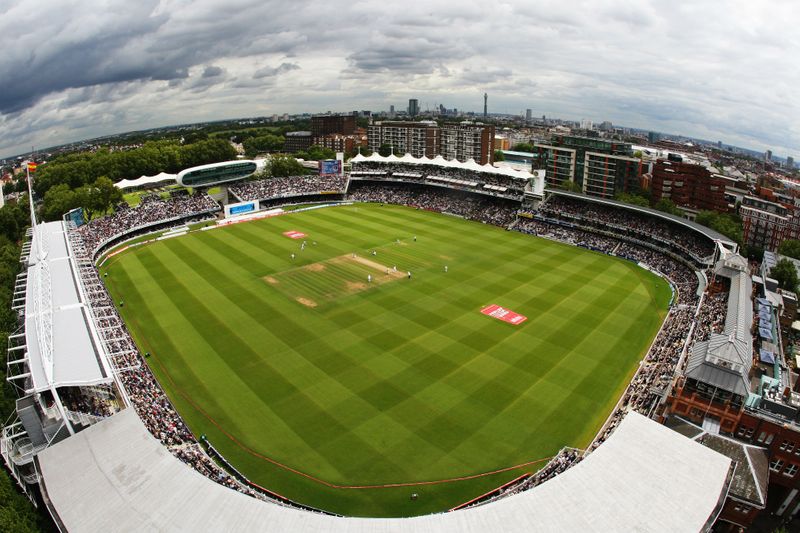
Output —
<point x="78" y="169"/>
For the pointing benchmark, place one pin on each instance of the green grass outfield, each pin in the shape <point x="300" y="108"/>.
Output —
<point x="393" y="381"/>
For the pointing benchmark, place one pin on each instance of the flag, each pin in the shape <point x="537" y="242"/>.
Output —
<point x="31" y="167"/>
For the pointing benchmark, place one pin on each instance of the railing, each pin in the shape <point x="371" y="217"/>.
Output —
<point x="76" y="417"/>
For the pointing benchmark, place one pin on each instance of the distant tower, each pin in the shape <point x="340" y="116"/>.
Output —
<point x="413" y="107"/>
<point x="528" y="115"/>
<point x="485" y="105"/>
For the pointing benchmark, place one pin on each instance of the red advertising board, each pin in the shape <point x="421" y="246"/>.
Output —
<point x="506" y="315"/>
<point x="294" y="234"/>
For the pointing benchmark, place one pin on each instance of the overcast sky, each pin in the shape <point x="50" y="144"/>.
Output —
<point x="723" y="70"/>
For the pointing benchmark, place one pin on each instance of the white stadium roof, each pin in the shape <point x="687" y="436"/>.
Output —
<point x="114" y="476"/>
<point x="146" y="181"/>
<point x="70" y="354"/>
<point x="470" y="165"/>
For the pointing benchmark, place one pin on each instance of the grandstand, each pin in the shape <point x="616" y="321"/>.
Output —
<point x="89" y="407"/>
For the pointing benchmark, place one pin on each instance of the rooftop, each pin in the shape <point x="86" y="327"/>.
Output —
<point x="116" y="476"/>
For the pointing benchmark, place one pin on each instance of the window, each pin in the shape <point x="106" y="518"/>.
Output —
<point x="769" y="439"/>
<point x="776" y="465"/>
<point x="762" y="436"/>
<point x="787" y="446"/>
<point x="791" y="470"/>
<point x="741" y="508"/>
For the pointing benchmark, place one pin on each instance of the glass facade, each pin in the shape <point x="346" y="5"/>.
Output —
<point x="203" y="177"/>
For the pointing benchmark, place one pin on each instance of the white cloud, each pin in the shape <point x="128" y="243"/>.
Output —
<point x="713" y="69"/>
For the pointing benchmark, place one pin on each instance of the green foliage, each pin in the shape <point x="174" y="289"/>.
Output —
<point x="668" y="206"/>
<point x="316" y="153"/>
<point x="95" y="199"/>
<point x="754" y="253"/>
<point x="523" y="147"/>
<point x="785" y="274"/>
<point x="637" y="153"/>
<point x="498" y="155"/>
<point x="790" y="247"/>
<point x="282" y="165"/>
<point x="385" y="149"/>
<point x="83" y="168"/>
<point x="633" y="199"/>
<point x="728" y="225"/>
<point x="571" y="186"/>
<point x="262" y="144"/>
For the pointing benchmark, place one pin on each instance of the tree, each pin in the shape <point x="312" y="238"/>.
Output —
<point x="385" y="149"/>
<point x="569" y="185"/>
<point x="633" y="199"/>
<point x="58" y="200"/>
<point x="263" y="143"/>
<point x="104" y="195"/>
<point x="498" y="155"/>
<point x="790" y="247"/>
<point x="667" y="206"/>
<point x="637" y="154"/>
<point x="785" y="274"/>
<point x="282" y="165"/>
<point x="728" y="225"/>
<point x="523" y="147"/>
<point x="316" y="153"/>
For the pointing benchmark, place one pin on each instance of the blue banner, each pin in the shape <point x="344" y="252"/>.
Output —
<point x="330" y="167"/>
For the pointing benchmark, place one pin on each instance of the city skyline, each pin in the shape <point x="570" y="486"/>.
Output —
<point x="83" y="72"/>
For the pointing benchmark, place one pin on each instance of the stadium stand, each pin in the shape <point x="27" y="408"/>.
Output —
<point x="288" y="188"/>
<point x="664" y="245"/>
<point x="438" y="172"/>
<point x="152" y="214"/>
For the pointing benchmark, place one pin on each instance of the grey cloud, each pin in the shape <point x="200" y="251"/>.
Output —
<point x="83" y="70"/>
<point x="212" y="72"/>
<point x="269" y="72"/>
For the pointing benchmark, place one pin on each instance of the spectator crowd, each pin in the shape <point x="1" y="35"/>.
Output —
<point x="469" y="206"/>
<point x="153" y="210"/>
<point x="629" y="223"/>
<point x="271" y="188"/>
<point x="485" y="182"/>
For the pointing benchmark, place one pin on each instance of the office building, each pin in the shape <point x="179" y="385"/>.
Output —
<point x="413" y="107"/>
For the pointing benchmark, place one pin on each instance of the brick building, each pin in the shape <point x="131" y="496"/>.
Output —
<point x="342" y="143"/>
<point x="766" y="224"/>
<point x="330" y="124"/>
<point x="688" y="185"/>
<point x="738" y="382"/>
